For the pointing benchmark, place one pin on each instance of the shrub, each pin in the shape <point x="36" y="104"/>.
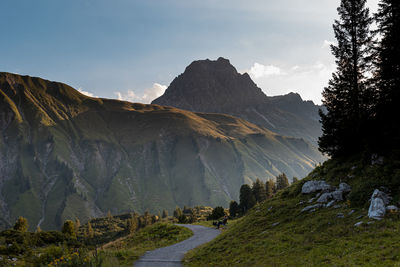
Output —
<point x="21" y="224"/>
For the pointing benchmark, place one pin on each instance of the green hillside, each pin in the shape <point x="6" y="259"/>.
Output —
<point x="65" y="155"/>
<point x="277" y="232"/>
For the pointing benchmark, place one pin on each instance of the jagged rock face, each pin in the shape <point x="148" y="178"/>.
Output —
<point x="212" y="86"/>
<point x="216" y="86"/>
<point x="64" y="155"/>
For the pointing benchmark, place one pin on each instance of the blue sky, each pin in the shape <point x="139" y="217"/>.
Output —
<point x="132" y="49"/>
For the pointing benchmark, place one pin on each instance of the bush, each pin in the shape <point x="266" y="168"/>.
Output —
<point x="217" y="213"/>
<point x="68" y="229"/>
<point x="21" y="224"/>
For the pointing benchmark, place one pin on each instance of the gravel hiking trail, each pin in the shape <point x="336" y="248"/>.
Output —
<point x="172" y="256"/>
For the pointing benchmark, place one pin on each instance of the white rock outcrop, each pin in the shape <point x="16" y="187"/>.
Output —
<point x="377" y="208"/>
<point x="315" y="186"/>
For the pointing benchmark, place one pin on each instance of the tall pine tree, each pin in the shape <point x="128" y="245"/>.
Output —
<point x="259" y="191"/>
<point x="388" y="74"/>
<point x="347" y="96"/>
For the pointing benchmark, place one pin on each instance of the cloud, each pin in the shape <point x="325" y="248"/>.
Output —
<point x="258" y="70"/>
<point x="327" y="44"/>
<point x="306" y="79"/>
<point x="148" y="95"/>
<point x="86" y="93"/>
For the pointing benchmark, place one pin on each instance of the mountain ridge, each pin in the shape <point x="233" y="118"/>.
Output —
<point x="216" y="86"/>
<point x="64" y="155"/>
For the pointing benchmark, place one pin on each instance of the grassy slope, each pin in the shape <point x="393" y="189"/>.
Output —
<point x="316" y="239"/>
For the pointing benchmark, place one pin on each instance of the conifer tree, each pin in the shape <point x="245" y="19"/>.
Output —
<point x="247" y="199"/>
<point x="233" y="209"/>
<point x="165" y="214"/>
<point x="281" y="182"/>
<point x="259" y="191"/>
<point x="388" y="74"/>
<point x="177" y="212"/>
<point x="21" y="224"/>
<point x="90" y="231"/>
<point x="347" y="97"/>
<point x="69" y="229"/>
<point x="77" y="223"/>
<point x="269" y="188"/>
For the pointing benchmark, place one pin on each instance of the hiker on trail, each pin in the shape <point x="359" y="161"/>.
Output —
<point x="223" y="222"/>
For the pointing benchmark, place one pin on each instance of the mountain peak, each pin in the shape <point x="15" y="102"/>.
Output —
<point x="212" y="86"/>
<point x="216" y="86"/>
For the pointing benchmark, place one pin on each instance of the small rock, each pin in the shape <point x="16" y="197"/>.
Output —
<point x="325" y="197"/>
<point x="311" y="200"/>
<point x="376" y="160"/>
<point x="340" y="215"/>
<point x="358" y="224"/>
<point x="14" y="259"/>
<point x="335" y="195"/>
<point x="354" y="167"/>
<point x="345" y="188"/>
<point x="351" y="212"/>
<point x="300" y="203"/>
<point x="315" y="186"/>
<point x="270" y="208"/>
<point x="309" y="208"/>
<point x="392" y="208"/>
<point x="371" y="222"/>
<point x="317" y="195"/>
<point x="337" y="206"/>
<point x="275" y="224"/>
<point x="330" y="204"/>
<point x="359" y="217"/>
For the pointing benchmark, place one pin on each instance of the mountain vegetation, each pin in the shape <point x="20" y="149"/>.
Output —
<point x="111" y="241"/>
<point x="363" y="94"/>
<point x="64" y="155"/>
<point x="216" y="86"/>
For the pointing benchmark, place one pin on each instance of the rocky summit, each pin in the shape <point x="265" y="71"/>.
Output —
<point x="64" y="155"/>
<point x="216" y="86"/>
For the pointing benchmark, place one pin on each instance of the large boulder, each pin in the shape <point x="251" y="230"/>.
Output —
<point x="335" y="195"/>
<point x="377" y="208"/>
<point x="315" y="186"/>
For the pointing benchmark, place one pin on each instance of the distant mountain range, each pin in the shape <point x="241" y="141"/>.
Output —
<point x="216" y="86"/>
<point x="64" y="155"/>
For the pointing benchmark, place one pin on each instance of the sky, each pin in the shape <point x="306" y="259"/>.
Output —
<point x="133" y="49"/>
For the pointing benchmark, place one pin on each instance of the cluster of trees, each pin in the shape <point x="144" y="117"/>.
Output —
<point x="363" y="95"/>
<point x="258" y="192"/>
<point x="99" y="229"/>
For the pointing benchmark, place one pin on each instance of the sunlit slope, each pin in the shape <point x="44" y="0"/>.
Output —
<point x="65" y="155"/>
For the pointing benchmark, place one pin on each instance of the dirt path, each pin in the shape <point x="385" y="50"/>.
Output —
<point x="171" y="256"/>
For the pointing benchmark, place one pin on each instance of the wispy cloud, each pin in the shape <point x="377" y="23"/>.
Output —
<point x="86" y="92"/>
<point x="259" y="70"/>
<point x="148" y="95"/>
<point x="306" y="79"/>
